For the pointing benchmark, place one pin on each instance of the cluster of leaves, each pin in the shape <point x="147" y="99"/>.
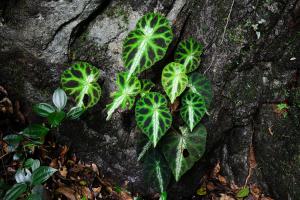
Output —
<point x="80" y="80"/>
<point x="29" y="179"/>
<point x="164" y="149"/>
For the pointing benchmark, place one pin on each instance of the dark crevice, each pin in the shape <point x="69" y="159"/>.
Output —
<point x="83" y="25"/>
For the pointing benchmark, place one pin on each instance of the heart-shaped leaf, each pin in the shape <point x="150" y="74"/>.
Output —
<point x="43" y="109"/>
<point x="12" y="141"/>
<point x="144" y="146"/>
<point x="59" y="98"/>
<point x="193" y="109"/>
<point x="147" y="44"/>
<point x="157" y="172"/>
<point x="147" y="85"/>
<point x="81" y="81"/>
<point x="201" y="85"/>
<point x="174" y="80"/>
<point x="188" y="53"/>
<point x="153" y="116"/>
<point x="42" y="174"/>
<point x="16" y="191"/>
<point x="125" y="96"/>
<point x="183" y="150"/>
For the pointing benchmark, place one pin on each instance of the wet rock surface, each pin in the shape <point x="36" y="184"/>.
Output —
<point x="251" y="56"/>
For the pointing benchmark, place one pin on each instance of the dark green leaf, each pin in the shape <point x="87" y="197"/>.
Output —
<point x="201" y="85"/>
<point x="193" y="109"/>
<point x="80" y="81"/>
<point x="32" y="164"/>
<point x="43" y="109"/>
<point x="41" y="174"/>
<point x="163" y="196"/>
<point x="147" y="85"/>
<point x="183" y="150"/>
<point x="56" y="118"/>
<point x="153" y="116"/>
<point x="35" y="131"/>
<point x="147" y="44"/>
<point x="16" y="191"/>
<point x="188" y="53"/>
<point x="157" y="172"/>
<point x="75" y="112"/>
<point x="13" y="141"/>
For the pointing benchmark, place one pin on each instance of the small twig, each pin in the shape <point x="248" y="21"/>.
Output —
<point x="228" y="17"/>
<point x="3" y="156"/>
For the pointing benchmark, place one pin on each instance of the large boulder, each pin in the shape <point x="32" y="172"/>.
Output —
<point x="251" y="56"/>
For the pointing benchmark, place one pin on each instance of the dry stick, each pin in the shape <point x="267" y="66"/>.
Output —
<point x="228" y="17"/>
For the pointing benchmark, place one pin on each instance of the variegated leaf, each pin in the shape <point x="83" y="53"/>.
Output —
<point x="147" y="44"/>
<point x="193" y="109"/>
<point x="147" y="85"/>
<point x="157" y="172"/>
<point x="80" y="81"/>
<point x="201" y="85"/>
<point x="153" y="116"/>
<point x="183" y="150"/>
<point x="188" y="53"/>
<point x="174" y="80"/>
<point x="125" y="96"/>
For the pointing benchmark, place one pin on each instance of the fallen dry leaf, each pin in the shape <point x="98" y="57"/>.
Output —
<point x="67" y="192"/>
<point x="226" y="197"/>
<point x="216" y="170"/>
<point x="63" y="171"/>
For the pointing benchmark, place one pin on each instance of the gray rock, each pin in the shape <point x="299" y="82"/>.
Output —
<point x="250" y="76"/>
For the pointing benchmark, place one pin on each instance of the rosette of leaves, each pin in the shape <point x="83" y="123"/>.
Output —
<point x="125" y="96"/>
<point x="153" y="116"/>
<point x="182" y="150"/>
<point x="188" y="54"/>
<point x="174" y="80"/>
<point x="193" y="109"/>
<point x="80" y="81"/>
<point x="55" y="114"/>
<point x="199" y="84"/>
<point x="147" y="43"/>
<point x="32" y="175"/>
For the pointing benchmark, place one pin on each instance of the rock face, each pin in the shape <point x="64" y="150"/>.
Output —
<point x="251" y="56"/>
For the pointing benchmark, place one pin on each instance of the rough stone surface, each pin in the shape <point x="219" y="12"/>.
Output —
<point x="251" y="71"/>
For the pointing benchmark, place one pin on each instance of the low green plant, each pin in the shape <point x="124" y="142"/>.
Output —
<point x="168" y="145"/>
<point x="28" y="181"/>
<point x="79" y="81"/>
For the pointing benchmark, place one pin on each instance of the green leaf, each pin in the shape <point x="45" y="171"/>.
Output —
<point x="201" y="85"/>
<point x="144" y="146"/>
<point x="80" y="81"/>
<point x="35" y="131"/>
<point x="59" y="98"/>
<point x="188" y="53"/>
<point x="16" y="191"/>
<point x="56" y="118"/>
<point x="157" y="172"/>
<point x="34" y="197"/>
<point x="147" y="85"/>
<point x="41" y="174"/>
<point x="183" y="150"/>
<point x="32" y="163"/>
<point x="23" y="176"/>
<point x="244" y="192"/>
<point x="43" y="109"/>
<point x="75" y="112"/>
<point x="147" y="44"/>
<point x="163" y="196"/>
<point x="174" y="80"/>
<point x="13" y="141"/>
<point x="153" y="116"/>
<point x="125" y="96"/>
<point x="193" y="109"/>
